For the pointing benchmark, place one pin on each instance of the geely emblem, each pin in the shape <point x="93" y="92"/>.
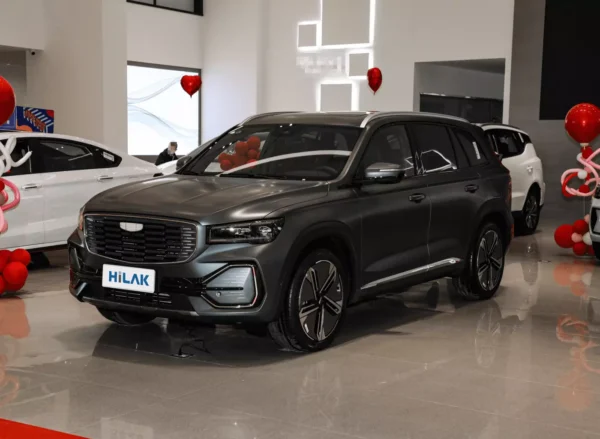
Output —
<point x="132" y="227"/>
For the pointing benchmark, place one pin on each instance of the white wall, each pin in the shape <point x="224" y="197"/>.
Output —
<point x="233" y="63"/>
<point x="13" y="69"/>
<point x="406" y="32"/>
<point x="453" y="81"/>
<point x="158" y="36"/>
<point x="22" y="23"/>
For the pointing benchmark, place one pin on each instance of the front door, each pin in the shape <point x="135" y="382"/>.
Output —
<point x="395" y="217"/>
<point x="26" y="221"/>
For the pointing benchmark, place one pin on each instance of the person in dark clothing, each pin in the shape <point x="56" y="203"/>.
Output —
<point x="168" y="155"/>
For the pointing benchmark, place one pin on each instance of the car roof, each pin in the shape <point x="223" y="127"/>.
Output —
<point x="19" y="134"/>
<point x="500" y="126"/>
<point x="359" y="119"/>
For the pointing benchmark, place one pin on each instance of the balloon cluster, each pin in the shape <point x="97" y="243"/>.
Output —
<point x="575" y="236"/>
<point x="244" y="153"/>
<point x="13" y="269"/>
<point x="583" y="125"/>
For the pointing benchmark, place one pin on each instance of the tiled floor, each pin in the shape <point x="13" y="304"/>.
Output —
<point x="421" y="365"/>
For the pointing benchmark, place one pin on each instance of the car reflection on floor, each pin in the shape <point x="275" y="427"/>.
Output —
<point x="14" y="326"/>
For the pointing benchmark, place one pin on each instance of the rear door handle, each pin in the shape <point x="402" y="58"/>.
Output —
<point x="416" y="198"/>
<point x="104" y="177"/>
<point x="472" y="188"/>
<point x="27" y="187"/>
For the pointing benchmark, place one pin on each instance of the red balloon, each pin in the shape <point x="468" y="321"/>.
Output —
<point x="191" y="84"/>
<point x="14" y="287"/>
<point x="20" y="255"/>
<point x="565" y="184"/>
<point x="562" y="236"/>
<point x="2" y="286"/>
<point x="241" y="148"/>
<point x="2" y="185"/>
<point x="590" y="250"/>
<point x="238" y="160"/>
<point x="584" y="188"/>
<point x="375" y="78"/>
<point x="8" y="101"/>
<point x="15" y="273"/>
<point x="252" y="154"/>
<point x="583" y="122"/>
<point x="581" y="227"/>
<point x="586" y="152"/>
<point x="253" y="142"/>
<point x="251" y="161"/>
<point x="226" y="164"/>
<point x="580" y="248"/>
<point x="4" y="257"/>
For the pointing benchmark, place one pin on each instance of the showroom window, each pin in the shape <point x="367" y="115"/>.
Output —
<point x="195" y="7"/>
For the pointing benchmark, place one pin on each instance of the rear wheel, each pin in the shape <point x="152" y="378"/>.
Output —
<point x="315" y="304"/>
<point x="485" y="265"/>
<point x="126" y="318"/>
<point x="530" y="216"/>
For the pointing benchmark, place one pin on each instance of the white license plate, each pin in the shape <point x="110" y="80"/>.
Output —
<point x="128" y="278"/>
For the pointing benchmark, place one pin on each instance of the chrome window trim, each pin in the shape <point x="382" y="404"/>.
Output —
<point x="375" y="115"/>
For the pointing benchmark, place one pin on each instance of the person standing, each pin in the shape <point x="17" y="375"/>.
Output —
<point x="168" y="155"/>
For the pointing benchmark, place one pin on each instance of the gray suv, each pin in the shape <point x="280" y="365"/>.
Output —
<point x="286" y="219"/>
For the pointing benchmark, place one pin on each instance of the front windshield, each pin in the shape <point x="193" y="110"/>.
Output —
<point x="291" y="151"/>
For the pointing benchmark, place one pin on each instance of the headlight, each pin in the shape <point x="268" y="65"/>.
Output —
<point x="80" y="222"/>
<point x="255" y="232"/>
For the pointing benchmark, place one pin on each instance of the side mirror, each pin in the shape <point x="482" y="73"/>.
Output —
<point x="383" y="173"/>
<point x="182" y="162"/>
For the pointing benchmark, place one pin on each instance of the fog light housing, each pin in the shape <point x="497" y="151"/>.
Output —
<point x="232" y="287"/>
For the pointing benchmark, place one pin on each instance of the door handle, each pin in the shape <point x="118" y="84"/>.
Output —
<point x="30" y="186"/>
<point x="416" y="198"/>
<point x="104" y="177"/>
<point x="472" y="188"/>
<point x="530" y="169"/>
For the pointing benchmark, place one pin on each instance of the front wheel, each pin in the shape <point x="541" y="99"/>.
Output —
<point x="126" y="318"/>
<point x="315" y="304"/>
<point x="530" y="216"/>
<point x="485" y="265"/>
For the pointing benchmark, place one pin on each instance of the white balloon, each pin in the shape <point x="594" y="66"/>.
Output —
<point x="587" y="238"/>
<point x="582" y="174"/>
<point x="586" y="278"/>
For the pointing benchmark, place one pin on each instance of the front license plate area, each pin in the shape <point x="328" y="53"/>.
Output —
<point x="118" y="277"/>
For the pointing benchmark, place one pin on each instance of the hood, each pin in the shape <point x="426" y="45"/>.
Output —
<point x="208" y="200"/>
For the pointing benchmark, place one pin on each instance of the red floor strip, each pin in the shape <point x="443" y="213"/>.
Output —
<point x="14" y="430"/>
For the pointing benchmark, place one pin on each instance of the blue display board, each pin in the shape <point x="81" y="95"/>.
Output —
<point x="28" y="119"/>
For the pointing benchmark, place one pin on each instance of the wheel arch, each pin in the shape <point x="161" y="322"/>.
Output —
<point x="494" y="211"/>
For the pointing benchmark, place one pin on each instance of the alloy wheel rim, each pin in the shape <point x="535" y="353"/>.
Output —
<point x="490" y="260"/>
<point x="321" y="300"/>
<point x="531" y="212"/>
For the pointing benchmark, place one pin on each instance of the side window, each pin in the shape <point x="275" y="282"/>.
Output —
<point x="435" y="146"/>
<point x="55" y="155"/>
<point x="390" y="144"/>
<point x="509" y="145"/>
<point x="21" y="148"/>
<point x="104" y="159"/>
<point x="471" y="147"/>
<point x="492" y="140"/>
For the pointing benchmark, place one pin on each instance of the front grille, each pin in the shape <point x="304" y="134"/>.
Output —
<point x="156" y="300"/>
<point x="159" y="241"/>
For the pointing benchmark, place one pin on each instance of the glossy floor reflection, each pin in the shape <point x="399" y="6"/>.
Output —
<point x="421" y="365"/>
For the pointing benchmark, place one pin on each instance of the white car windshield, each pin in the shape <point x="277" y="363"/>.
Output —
<point x="295" y="152"/>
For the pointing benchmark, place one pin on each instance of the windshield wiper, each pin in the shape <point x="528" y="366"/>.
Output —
<point x="254" y="175"/>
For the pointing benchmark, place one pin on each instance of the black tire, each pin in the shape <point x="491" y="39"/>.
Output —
<point x="485" y="265"/>
<point x="530" y="216"/>
<point x="324" y="308"/>
<point x="126" y="318"/>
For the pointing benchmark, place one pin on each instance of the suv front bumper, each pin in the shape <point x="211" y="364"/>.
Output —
<point x="226" y="284"/>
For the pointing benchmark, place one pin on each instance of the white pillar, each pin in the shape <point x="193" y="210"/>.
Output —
<point x="81" y="74"/>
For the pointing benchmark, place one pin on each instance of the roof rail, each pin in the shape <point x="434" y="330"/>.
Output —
<point x="273" y="113"/>
<point x="375" y="115"/>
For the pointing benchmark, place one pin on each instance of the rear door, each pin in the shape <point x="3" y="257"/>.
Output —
<point x="69" y="176"/>
<point x="453" y="189"/>
<point x="25" y="222"/>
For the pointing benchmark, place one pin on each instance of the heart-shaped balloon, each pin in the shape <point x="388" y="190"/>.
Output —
<point x="191" y="84"/>
<point x="375" y="78"/>
<point x="7" y="100"/>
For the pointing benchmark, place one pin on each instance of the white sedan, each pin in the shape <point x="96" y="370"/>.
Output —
<point x="61" y="175"/>
<point x="528" y="188"/>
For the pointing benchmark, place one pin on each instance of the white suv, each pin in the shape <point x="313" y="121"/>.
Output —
<point x="528" y="188"/>
<point x="61" y="175"/>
